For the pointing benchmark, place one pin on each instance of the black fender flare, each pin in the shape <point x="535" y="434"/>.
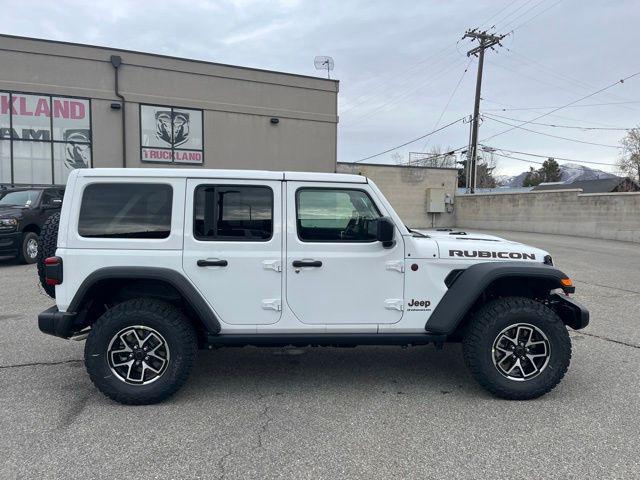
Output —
<point x="177" y="280"/>
<point x="469" y="285"/>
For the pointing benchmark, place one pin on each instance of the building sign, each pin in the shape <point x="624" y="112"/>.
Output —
<point x="43" y="138"/>
<point x="171" y="135"/>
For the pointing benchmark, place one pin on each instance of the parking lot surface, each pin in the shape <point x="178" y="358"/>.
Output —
<point x="367" y="412"/>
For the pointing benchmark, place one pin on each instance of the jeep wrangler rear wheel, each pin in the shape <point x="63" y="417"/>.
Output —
<point x="517" y="348"/>
<point x="140" y="351"/>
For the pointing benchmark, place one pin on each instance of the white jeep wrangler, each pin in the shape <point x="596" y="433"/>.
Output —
<point x="151" y="264"/>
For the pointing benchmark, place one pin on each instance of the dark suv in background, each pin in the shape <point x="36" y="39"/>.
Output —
<point x="23" y="211"/>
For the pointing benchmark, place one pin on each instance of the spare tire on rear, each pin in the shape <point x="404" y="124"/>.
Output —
<point x="47" y="243"/>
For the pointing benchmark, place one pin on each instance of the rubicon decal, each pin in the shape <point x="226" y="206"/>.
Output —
<point x="488" y="254"/>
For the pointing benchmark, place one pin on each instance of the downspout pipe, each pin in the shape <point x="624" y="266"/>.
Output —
<point x="116" y="61"/>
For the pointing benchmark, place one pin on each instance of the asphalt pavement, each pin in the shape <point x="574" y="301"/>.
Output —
<point x="366" y="412"/>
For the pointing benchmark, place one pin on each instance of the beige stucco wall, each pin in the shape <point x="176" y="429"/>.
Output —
<point x="614" y="216"/>
<point x="237" y="102"/>
<point x="405" y="188"/>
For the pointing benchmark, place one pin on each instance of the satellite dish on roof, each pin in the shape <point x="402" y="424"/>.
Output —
<point x="323" y="62"/>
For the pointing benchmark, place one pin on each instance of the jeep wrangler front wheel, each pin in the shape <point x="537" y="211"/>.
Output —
<point x="140" y="351"/>
<point x="517" y="348"/>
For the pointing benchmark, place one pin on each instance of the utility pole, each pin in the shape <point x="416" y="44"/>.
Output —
<point x="486" y="41"/>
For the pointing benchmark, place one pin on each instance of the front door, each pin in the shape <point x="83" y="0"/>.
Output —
<point x="233" y="247"/>
<point x="337" y="272"/>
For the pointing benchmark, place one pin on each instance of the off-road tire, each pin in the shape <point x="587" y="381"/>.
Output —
<point x="23" y="254"/>
<point x="492" y="319"/>
<point x="164" y="318"/>
<point x="47" y="244"/>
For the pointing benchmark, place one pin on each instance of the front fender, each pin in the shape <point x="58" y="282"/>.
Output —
<point x="469" y="285"/>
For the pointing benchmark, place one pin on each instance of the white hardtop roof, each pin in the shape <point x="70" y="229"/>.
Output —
<point x="220" y="173"/>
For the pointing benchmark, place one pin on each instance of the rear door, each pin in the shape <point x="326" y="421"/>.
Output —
<point x="233" y="247"/>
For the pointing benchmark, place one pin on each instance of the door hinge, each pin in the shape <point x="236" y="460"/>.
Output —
<point x="275" y="265"/>
<point x="272" y="304"/>
<point x="394" y="304"/>
<point x="397" y="265"/>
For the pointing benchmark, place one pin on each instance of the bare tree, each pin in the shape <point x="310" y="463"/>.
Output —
<point x="629" y="163"/>
<point x="397" y="158"/>
<point x="436" y="157"/>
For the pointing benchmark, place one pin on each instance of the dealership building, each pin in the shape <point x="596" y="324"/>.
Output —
<point x="66" y="106"/>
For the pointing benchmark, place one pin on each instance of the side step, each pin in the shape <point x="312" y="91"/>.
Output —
<point x="323" y="339"/>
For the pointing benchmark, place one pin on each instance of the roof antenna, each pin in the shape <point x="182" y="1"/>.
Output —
<point x="323" y="62"/>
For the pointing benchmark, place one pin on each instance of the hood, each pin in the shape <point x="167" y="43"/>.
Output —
<point x="456" y="244"/>
<point x="11" y="211"/>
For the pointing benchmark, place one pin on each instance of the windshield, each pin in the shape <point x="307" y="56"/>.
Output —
<point x="21" y="198"/>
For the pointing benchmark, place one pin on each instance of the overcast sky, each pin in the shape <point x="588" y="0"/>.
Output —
<point x="398" y="62"/>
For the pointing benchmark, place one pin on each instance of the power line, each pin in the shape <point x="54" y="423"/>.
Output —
<point x="522" y="5"/>
<point x="511" y="21"/>
<point x="551" y="156"/>
<point x="555" y="115"/>
<point x="536" y="15"/>
<point x="556" y="125"/>
<point x="510" y="157"/>
<point x="564" y="106"/>
<point x="557" y="108"/>
<point x="455" y="89"/>
<point x="509" y="4"/>
<point x="402" y="95"/>
<point x="411" y="141"/>
<point x="552" y="71"/>
<point x="382" y="83"/>
<point x="551" y="135"/>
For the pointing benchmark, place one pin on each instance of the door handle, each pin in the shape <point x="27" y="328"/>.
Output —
<point x="307" y="263"/>
<point x="212" y="263"/>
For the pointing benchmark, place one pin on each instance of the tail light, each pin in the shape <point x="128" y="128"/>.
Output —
<point x="53" y="270"/>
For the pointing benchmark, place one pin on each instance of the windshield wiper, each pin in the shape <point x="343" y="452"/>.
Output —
<point x="416" y="233"/>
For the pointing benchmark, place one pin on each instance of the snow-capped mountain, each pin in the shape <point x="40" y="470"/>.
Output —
<point x="571" y="172"/>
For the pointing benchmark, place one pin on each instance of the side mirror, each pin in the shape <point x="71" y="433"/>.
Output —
<point x="386" y="230"/>
<point x="55" y="203"/>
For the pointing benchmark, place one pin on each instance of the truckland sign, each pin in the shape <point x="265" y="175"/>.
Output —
<point x="171" y="135"/>
<point x="42" y="126"/>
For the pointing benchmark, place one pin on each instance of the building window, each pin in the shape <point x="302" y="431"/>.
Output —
<point x="171" y="135"/>
<point x="126" y="210"/>
<point x="335" y="215"/>
<point x="43" y="138"/>
<point x="233" y="213"/>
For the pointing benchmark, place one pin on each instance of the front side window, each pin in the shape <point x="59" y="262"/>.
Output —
<point x="335" y="215"/>
<point x="126" y="210"/>
<point x="233" y="212"/>
<point x="171" y="135"/>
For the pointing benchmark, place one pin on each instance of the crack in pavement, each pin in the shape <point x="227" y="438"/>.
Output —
<point x="36" y="364"/>
<point x="607" y="339"/>
<point x="265" y="425"/>
<point x="263" y="428"/>
<point x="221" y="465"/>
<point x="608" y="286"/>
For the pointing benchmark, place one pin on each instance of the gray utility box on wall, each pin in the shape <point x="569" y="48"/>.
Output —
<point x="435" y="200"/>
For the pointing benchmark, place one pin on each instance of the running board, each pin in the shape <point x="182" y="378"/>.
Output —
<point x="323" y="339"/>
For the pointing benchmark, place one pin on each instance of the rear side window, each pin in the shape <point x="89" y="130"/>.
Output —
<point x="126" y="210"/>
<point x="233" y="213"/>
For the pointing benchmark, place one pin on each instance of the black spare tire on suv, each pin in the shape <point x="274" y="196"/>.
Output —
<point x="47" y="243"/>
